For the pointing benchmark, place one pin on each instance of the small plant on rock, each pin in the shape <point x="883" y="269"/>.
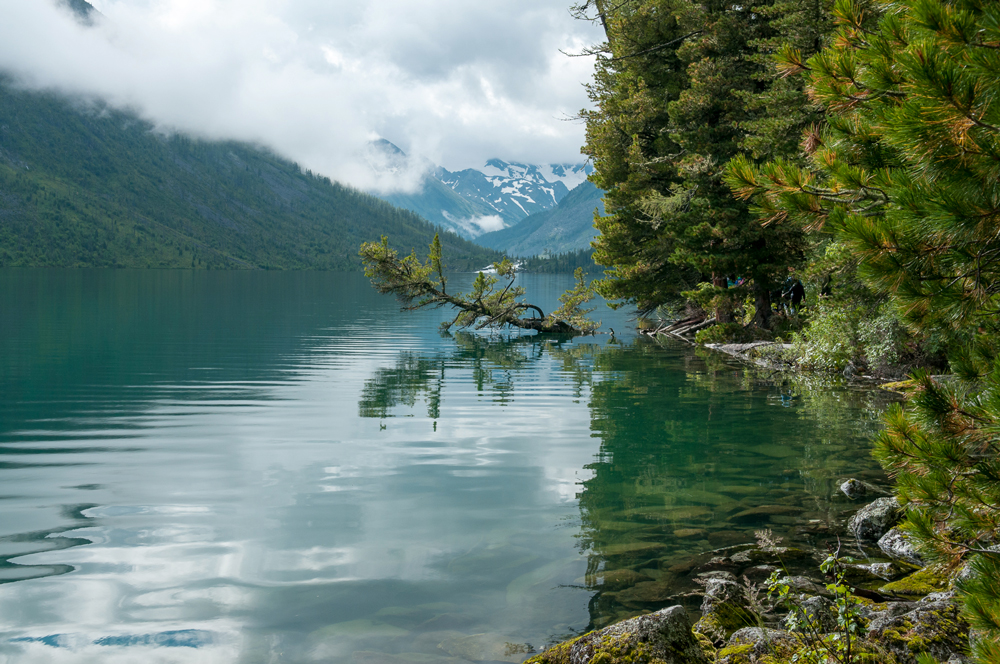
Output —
<point x="820" y="645"/>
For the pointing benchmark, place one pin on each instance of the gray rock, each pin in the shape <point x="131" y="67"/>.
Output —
<point x="935" y="598"/>
<point x="717" y="574"/>
<point x="759" y="573"/>
<point x="718" y="591"/>
<point x="819" y="612"/>
<point x="804" y="585"/>
<point x="856" y="489"/>
<point x="874" y="572"/>
<point x="887" y="571"/>
<point x="897" y="546"/>
<point x="764" y="641"/>
<point x="884" y="612"/>
<point x="665" y="635"/>
<point x="934" y="627"/>
<point x="724" y="609"/>
<point x="875" y="519"/>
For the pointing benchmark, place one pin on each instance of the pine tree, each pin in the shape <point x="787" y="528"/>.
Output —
<point x="906" y="172"/>
<point x="490" y="303"/>
<point x="673" y="98"/>
<point x="714" y="232"/>
<point x="637" y="75"/>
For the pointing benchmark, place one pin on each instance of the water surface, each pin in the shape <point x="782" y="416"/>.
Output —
<point x="283" y="467"/>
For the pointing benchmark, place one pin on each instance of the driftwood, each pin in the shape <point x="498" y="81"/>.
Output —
<point x="682" y="327"/>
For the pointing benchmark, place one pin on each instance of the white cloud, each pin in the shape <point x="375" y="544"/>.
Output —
<point x="476" y="226"/>
<point x="316" y="80"/>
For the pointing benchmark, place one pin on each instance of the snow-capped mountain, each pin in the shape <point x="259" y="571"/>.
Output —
<point x="513" y="190"/>
<point x="476" y="201"/>
<point x="567" y="227"/>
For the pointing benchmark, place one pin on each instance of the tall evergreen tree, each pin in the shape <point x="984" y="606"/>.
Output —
<point x="637" y="75"/>
<point x="673" y="95"/>
<point x="714" y="232"/>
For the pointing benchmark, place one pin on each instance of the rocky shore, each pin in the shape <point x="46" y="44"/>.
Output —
<point x="875" y="595"/>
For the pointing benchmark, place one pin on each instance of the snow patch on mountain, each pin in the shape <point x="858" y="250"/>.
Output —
<point x="474" y="201"/>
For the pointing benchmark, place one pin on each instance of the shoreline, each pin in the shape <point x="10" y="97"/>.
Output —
<point x="902" y="606"/>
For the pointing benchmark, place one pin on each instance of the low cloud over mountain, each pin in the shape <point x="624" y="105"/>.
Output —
<point x="317" y="80"/>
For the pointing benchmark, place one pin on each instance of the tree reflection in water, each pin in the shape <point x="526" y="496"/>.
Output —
<point x="697" y="452"/>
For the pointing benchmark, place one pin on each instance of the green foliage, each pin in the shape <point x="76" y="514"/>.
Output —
<point x="572" y="312"/>
<point x="842" y="333"/>
<point x="84" y="185"/>
<point x="680" y="88"/>
<point x="488" y="305"/>
<point x="817" y="645"/>
<point x="906" y="168"/>
<point x="942" y="450"/>
<point x="731" y="333"/>
<point x="638" y="73"/>
<point x="982" y="605"/>
<point x="944" y="454"/>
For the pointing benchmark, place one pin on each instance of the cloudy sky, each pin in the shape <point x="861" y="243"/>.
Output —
<point x="456" y="81"/>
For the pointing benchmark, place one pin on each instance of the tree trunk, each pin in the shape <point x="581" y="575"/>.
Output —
<point x="762" y="304"/>
<point x="724" y="310"/>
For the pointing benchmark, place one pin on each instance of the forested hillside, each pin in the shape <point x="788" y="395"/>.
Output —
<point x="84" y="185"/>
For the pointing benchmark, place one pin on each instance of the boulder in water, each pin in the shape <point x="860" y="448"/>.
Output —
<point x="875" y="519"/>
<point x="897" y="546"/>
<point x="857" y="489"/>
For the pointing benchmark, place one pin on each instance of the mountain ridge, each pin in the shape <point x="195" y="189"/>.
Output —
<point x="473" y="201"/>
<point x="568" y="227"/>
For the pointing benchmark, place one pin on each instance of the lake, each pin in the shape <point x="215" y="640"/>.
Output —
<point x="283" y="467"/>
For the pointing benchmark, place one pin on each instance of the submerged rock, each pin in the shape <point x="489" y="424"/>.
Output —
<point x="690" y="533"/>
<point x="663" y="637"/>
<point x="648" y="592"/>
<point x="483" y="647"/>
<point x="875" y="519"/>
<point x="857" y="489"/>
<point x="764" y="513"/>
<point x="615" y="579"/>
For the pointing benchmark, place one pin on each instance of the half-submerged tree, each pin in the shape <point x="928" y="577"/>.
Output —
<point x="491" y="303"/>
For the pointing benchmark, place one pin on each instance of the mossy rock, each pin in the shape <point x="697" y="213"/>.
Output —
<point x="755" y="645"/>
<point x="920" y="583"/>
<point x="663" y="637"/>
<point x="935" y="628"/>
<point x="723" y="620"/>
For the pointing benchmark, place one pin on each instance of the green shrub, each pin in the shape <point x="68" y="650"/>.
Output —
<point x="841" y="333"/>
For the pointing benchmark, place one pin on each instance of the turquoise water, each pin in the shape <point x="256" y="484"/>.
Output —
<point x="283" y="467"/>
